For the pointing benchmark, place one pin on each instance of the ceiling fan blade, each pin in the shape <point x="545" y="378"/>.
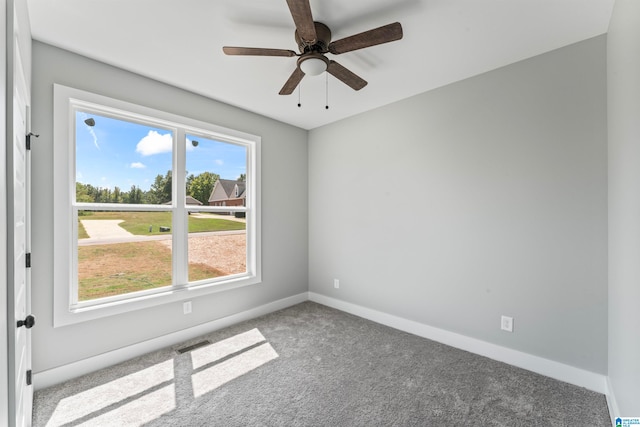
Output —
<point x="293" y="82"/>
<point x="380" y="35"/>
<point x="302" y="17"/>
<point x="347" y="77"/>
<point x="257" y="51"/>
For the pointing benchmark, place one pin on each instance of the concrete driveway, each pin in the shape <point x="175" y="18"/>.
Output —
<point x="107" y="231"/>
<point x="104" y="228"/>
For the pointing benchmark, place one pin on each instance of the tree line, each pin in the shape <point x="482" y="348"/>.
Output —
<point x="198" y="186"/>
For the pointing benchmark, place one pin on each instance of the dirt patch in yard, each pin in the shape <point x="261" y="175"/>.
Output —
<point x="226" y="253"/>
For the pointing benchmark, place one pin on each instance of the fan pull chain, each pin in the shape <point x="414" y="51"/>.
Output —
<point x="299" y="104"/>
<point x="327" y="90"/>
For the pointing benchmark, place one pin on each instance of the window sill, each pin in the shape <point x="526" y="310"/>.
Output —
<point x="91" y="311"/>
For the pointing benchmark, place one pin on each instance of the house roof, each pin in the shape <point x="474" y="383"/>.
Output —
<point x="228" y="186"/>
<point x="189" y="200"/>
<point x="192" y="201"/>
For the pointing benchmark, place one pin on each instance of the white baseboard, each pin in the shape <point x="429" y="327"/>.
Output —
<point x="572" y="375"/>
<point x="614" y="411"/>
<point x="60" y="374"/>
<point x="549" y="368"/>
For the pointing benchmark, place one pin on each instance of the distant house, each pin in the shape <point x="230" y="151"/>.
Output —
<point x="189" y="201"/>
<point x="227" y="192"/>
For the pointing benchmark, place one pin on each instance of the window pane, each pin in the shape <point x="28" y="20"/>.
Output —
<point x="123" y="252"/>
<point x="222" y="251"/>
<point x="118" y="161"/>
<point x="216" y="176"/>
<point x="216" y="172"/>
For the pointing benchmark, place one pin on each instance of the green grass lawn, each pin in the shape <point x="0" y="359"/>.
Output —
<point x="116" y="269"/>
<point x="82" y="233"/>
<point x="138" y="223"/>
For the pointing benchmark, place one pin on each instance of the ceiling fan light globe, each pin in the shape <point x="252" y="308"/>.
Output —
<point x="313" y="66"/>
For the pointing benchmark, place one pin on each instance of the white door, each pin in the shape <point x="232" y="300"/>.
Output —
<point x="20" y="403"/>
<point x="4" y="340"/>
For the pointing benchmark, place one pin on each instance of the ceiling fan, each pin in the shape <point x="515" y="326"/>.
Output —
<point x="314" y="41"/>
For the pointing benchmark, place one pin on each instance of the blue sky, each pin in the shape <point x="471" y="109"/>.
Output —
<point x="119" y="153"/>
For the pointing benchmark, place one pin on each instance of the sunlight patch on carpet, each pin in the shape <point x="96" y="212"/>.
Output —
<point x="147" y="394"/>
<point x="246" y="357"/>
<point x="140" y="411"/>
<point x="131" y="393"/>
<point x="221" y="349"/>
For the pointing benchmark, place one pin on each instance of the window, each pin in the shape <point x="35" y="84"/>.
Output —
<point x="149" y="208"/>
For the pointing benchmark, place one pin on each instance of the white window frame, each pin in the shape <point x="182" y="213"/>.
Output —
<point x="67" y="310"/>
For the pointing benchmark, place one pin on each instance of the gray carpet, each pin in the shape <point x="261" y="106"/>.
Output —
<point x="310" y="365"/>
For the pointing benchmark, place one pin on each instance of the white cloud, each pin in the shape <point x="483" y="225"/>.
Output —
<point x="219" y="162"/>
<point x="154" y="143"/>
<point x="137" y="165"/>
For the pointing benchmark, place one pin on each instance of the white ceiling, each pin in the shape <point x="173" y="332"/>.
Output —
<point x="180" y="42"/>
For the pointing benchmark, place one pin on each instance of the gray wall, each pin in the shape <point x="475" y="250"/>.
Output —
<point x="284" y="210"/>
<point x="481" y="198"/>
<point x="623" y="61"/>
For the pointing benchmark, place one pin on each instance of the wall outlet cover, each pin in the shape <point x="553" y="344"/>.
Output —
<point x="507" y="323"/>
<point x="186" y="307"/>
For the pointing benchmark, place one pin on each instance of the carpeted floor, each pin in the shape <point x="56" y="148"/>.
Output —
<point x="310" y="365"/>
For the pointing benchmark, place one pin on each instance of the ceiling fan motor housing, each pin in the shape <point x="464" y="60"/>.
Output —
<point x="323" y="38"/>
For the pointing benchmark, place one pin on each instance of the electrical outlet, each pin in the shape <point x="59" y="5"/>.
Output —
<point x="336" y="283"/>
<point x="186" y="307"/>
<point x="507" y="323"/>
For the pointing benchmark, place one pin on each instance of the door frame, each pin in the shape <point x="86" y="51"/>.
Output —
<point x="4" y="349"/>
<point x="17" y="38"/>
<point x="18" y="231"/>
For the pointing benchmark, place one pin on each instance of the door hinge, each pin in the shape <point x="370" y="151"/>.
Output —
<point x="29" y="135"/>
<point x="29" y="377"/>
<point x="28" y="260"/>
